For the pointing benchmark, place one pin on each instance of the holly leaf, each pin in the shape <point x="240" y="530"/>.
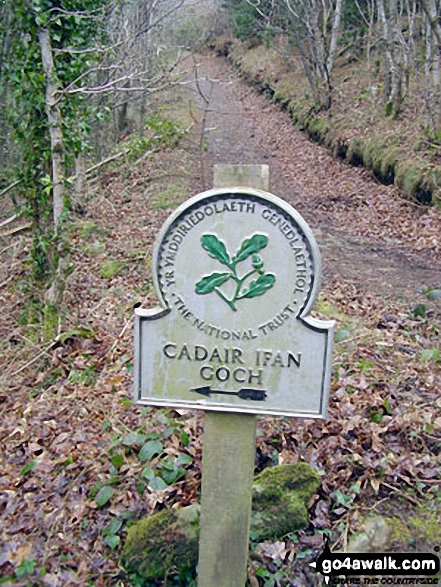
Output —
<point x="216" y="248"/>
<point x="260" y="285"/>
<point x="208" y="283"/>
<point x="250" y="246"/>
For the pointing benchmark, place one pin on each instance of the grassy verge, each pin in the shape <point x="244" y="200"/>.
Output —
<point x="357" y="128"/>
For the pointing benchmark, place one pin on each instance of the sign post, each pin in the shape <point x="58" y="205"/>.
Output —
<point x="237" y="271"/>
<point x="228" y="460"/>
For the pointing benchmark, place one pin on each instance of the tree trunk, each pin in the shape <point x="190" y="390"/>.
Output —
<point x="80" y="182"/>
<point x="306" y="30"/>
<point x="432" y="64"/>
<point x="431" y="9"/>
<point x="334" y="35"/>
<point x="55" y="126"/>
<point x="392" y="50"/>
<point x="54" y="294"/>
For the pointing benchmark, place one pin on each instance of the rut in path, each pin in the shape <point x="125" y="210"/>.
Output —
<point x="366" y="232"/>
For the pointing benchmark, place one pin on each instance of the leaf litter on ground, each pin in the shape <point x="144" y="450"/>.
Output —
<point x="80" y="462"/>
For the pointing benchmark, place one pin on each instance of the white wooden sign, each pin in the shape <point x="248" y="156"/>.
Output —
<point x="237" y="271"/>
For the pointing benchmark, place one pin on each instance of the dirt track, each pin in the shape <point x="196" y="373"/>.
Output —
<point x="367" y="233"/>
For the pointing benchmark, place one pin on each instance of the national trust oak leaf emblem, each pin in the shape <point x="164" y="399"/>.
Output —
<point x="246" y="287"/>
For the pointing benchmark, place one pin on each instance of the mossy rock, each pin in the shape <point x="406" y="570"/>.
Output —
<point x="373" y="155"/>
<point x="425" y="526"/>
<point x="418" y="532"/>
<point x="163" y="544"/>
<point x="280" y="498"/>
<point x="300" y="112"/>
<point x="166" y="543"/>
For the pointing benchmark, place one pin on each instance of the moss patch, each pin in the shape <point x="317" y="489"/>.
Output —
<point x="89" y="228"/>
<point x="110" y="269"/>
<point x="169" y="196"/>
<point x="31" y="317"/>
<point x="419" y="531"/>
<point x="318" y="130"/>
<point x="51" y="319"/>
<point x="425" y="526"/>
<point x="399" y="533"/>
<point x="161" y="545"/>
<point x="166" y="543"/>
<point x="354" y="154"/>
<point x="280" y="497"/>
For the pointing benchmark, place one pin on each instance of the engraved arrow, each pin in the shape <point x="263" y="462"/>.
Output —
<point x="245" y="393"/>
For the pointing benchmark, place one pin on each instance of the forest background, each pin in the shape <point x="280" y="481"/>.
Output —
<point x="93" y="110"/>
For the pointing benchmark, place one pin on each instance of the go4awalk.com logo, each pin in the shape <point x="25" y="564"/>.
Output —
<point x="378" y="568"/>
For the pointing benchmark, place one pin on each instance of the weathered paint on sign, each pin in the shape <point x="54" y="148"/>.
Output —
<point x="237" y="271"/>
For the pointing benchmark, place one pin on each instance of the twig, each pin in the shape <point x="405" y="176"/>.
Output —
<point x="7" y="248"/>
<point x="103" y="198"/>
<point x="35" y="359"/>
<point x="345" y="535"/>
<point x="10" y="187"/>
<point x="101" y="163"/>
<point x="15" y="230"/>
<point x="144" y="156"/>
<point x="192" y="114"/>
<point x="120" y="335"/>
<point x="369" y="508"/>
<point x="206" y="100"/>
<point x="10" y="219"/>
<point x="430" y="481"/>
<point x="395" y="490"/>
<point x="3" y="283"/>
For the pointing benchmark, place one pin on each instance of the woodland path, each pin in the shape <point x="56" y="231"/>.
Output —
<point x="367" y="233"/>
<point x="67" y="419"/>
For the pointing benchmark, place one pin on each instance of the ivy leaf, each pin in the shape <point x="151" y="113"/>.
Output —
<point x="150" y="448"/>
<point x="184" y="459"/>
<point x="104" y="495"/>
<point x="170" y="471"/>
<point x="114" y="527"/>
<point x="216" y="248"/>
<point x="251" y="246"/>
<point x="112" y="541"/>
<point x="208" y="283"/>
<point x="260" y="285"/>
<point x="132" y="438"/>
<point x="157" y="484"/>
